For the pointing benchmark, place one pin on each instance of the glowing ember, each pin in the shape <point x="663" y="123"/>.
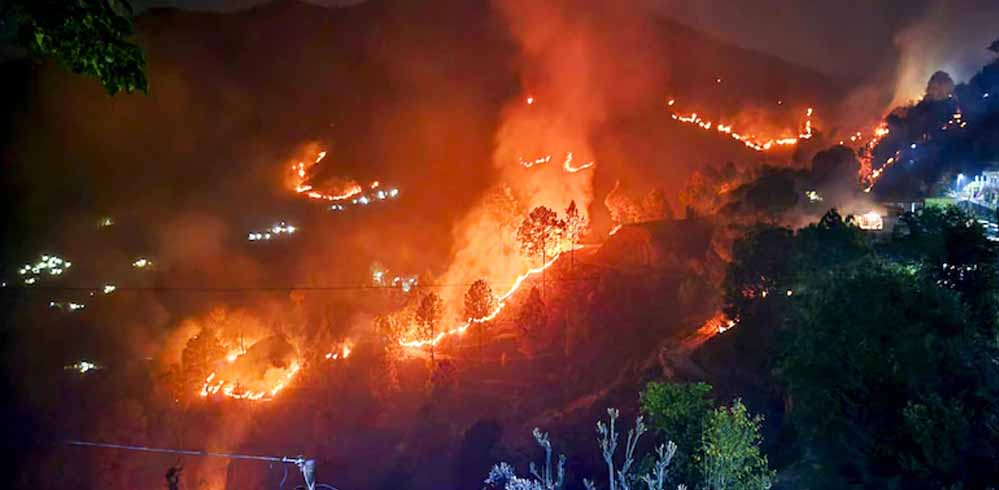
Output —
<point x="614" y="230"/>
<point x="109" y="288"/>
<point x="142" y="263"/>
<point x="530" y="100"/>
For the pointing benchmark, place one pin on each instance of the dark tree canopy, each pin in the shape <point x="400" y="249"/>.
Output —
<point x="89" y="37"/>
<point x="892" y="380"/>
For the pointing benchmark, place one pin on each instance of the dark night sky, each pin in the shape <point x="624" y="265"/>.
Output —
<point x="842" y="38"/>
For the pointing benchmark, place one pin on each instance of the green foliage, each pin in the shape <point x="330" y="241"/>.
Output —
<point x="887" y="353"/>
<point x="87" y="36"/>
<point x="872" y="352"/>
<point x="678" y="411"/>
<point x="731" y="457"/>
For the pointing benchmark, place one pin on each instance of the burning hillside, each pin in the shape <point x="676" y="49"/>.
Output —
<point x="511" y="205"/>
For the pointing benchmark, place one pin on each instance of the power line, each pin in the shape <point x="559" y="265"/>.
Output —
<point x="186" y="452"/>
<point x="306" y="466"/>
<point x="255" y="288"/>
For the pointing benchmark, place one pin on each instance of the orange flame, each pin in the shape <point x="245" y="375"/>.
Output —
<point x="500" y="304"/>
<point x="751" y="141"/>
<point x="301" y="173"/>
<point x="567" y="164"/>
<point x="231" y="389"/>
<point x="342" y="352"/>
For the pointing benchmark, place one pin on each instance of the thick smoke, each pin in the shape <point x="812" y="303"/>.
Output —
<point x="573" y="79"/>
<point x="951" y="36"/>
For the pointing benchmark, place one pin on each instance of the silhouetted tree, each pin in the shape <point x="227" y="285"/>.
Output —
<point x="533" y="316"/>
<point x="479" y="303"/>
<point x="994" y="47"/>
<point x="575" y="225"/>
<point x="428" y="315"/>
<point x="479" y="300"/>
<point x="173" y="477"/>
<point x="87" y="36"/>
<point x="540" y="234"/>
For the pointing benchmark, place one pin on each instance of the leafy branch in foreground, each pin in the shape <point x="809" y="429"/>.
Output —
<point x="89" y="37"/>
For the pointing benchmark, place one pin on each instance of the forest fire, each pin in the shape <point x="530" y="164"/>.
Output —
<point x="234" y="389"/>
<point x="500" y="305"/>
<point x="335" y="190"/>
<point x="868" y="174"/>
<point x="751" y="141"/>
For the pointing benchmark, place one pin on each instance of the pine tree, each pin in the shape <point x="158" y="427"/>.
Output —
<point x="428" y="315"/>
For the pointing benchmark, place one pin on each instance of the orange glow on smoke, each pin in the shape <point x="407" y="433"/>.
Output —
<point x="500" y="304"/>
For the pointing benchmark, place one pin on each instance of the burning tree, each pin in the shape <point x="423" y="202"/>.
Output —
<point x="428" y="315"/>
<point x="623" y="209"/>
<point x="479" y="300"/>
